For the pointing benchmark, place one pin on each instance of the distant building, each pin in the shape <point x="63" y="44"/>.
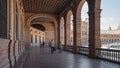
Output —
<point x="110" y="36"/>
<point x="107" y="36"/>
<point x="84" y="33"/>
<point x="37" y="36"/>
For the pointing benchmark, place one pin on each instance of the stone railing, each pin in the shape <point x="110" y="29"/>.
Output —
<point x="109" y="54"/>
<point x="70" y="48"/>
<point x="10" y="51"/>
<point x="83" y="50"/>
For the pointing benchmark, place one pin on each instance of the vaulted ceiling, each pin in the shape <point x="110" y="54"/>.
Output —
<point x="42" y="19"/>
<point x="45" y="6"/>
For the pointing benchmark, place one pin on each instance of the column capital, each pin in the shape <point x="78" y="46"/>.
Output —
<point x="97" y="10"/>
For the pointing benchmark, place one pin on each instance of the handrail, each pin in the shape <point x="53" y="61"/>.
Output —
<point x="70" y="47"/>
<point x="109" y="54"/>
<point x="83" y="50"/>
<point x="108" y="49"/>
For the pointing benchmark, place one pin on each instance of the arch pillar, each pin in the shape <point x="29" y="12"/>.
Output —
<point x="76" y="32"/>
<point x="30" y="17"/>
<point x="57" y="36"/>
<point x="58" y="32"/>
<point x="11" y="19"/>
<point x="94" y="30"/>
<point x="76" y="26"/>
<point x="65" y="34"/>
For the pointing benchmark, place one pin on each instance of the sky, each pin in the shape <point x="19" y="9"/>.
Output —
<point x="110" y="14"/>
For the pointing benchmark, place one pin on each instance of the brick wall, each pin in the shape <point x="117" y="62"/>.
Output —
<point x="4" y="61"/>
<point x="10" y="51"/>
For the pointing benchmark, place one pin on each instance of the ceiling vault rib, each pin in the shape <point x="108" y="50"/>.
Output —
<point x="30" y="6"/>
<point x="35" y="6"/>
<point x="46" y="5"/>
<point x="40" y="5"/>
<point x="43" y="5"/>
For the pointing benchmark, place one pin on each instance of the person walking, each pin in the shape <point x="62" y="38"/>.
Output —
<point x="52" y="46"/>
<point x="49" y="45"/>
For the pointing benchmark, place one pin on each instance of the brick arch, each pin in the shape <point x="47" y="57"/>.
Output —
<point x="79" y="8"/>
<point x="52" y="17"/>
<point x="39" y="27"/>
<point x="69" y="13"/>
<point x="62" y="20"/>
<point x="49" y="32"/>
<point x="81" y="3"/>
<point x="78" y="21"/>
<point x="42" y="15"/>
<point x="44" y="24"/>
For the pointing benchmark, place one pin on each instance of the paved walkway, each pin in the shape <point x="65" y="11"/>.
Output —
<point x="42" y="58"/>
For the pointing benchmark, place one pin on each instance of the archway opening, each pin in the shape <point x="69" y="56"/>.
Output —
<point x="62" y="30"/>
<point x="42" y="31"/>
<point x="69" y="28"/>
<point x="110" y="24"/>
<point x="84" y="25"/>
<point x="37" y="32"/>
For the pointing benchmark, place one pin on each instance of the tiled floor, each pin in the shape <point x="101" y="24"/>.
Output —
<point x="42" y="58"/>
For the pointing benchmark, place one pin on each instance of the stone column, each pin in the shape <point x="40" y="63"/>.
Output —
<point x="94" y="31"/>
<point x="11" y="14"/>
<point x="76" y="32"/>
<point x="56" y="36"/>
<point x="59" y="32"/>
<point x="65" y="34"/>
